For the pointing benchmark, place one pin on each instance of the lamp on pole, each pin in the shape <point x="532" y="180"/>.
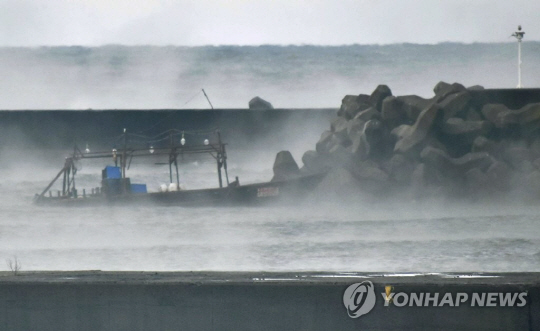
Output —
<point x="519" y="36"/>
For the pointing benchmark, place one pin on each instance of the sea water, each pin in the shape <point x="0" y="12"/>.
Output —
<point x="352" y="235"/>
<point x="402" y="236"/>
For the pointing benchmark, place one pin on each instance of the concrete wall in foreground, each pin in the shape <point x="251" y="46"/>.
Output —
<point x="273" y="305"/>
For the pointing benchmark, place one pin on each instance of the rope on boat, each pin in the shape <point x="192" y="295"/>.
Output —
<point x="140" y="139"/>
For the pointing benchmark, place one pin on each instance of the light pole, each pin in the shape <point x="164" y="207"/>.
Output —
<point x="519" y="36"/>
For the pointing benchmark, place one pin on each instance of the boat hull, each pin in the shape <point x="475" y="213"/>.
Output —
<point x="289" y="191"/>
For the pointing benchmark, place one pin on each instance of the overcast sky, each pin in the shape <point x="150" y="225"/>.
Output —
<point x="255" y="22"/>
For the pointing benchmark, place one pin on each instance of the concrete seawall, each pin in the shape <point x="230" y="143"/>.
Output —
<point x="147" y="301"/>
<point x="63" y="128"/>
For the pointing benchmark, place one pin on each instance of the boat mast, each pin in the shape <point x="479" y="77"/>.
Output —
<point x="223" y="157"/>
<point x="67" y="165"/>
<point x="519" y="36"/>
<point x="204" y="92"/>
<point x="170" y="158"/>
<point x="123" y="161"/>
<point x="173" y="158"/>
<point x="219" y="160"/>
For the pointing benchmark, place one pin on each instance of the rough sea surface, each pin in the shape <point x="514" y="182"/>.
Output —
<point x="351" y="234"/>
<point x="341" y="235"/>
<point x="306" y="76"/>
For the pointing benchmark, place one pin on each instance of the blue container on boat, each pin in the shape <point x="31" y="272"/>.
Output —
<point x="138" y="188"/>
<point x="111" y="172"/>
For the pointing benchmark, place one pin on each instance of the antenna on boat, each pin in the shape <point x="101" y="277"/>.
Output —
<point x="207" y="98"/>
<point x="519" y="36"/>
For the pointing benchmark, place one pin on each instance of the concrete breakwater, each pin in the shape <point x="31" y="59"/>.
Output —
<point x="94" y="300"/>
<point x="61" y="129"/>
<point x="462" y="142"/>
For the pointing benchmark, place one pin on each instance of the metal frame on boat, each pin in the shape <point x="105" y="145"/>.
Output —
<point x="116" y="187"/>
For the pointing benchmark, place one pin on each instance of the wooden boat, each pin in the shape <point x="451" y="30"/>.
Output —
<point x="116" y="188"/>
